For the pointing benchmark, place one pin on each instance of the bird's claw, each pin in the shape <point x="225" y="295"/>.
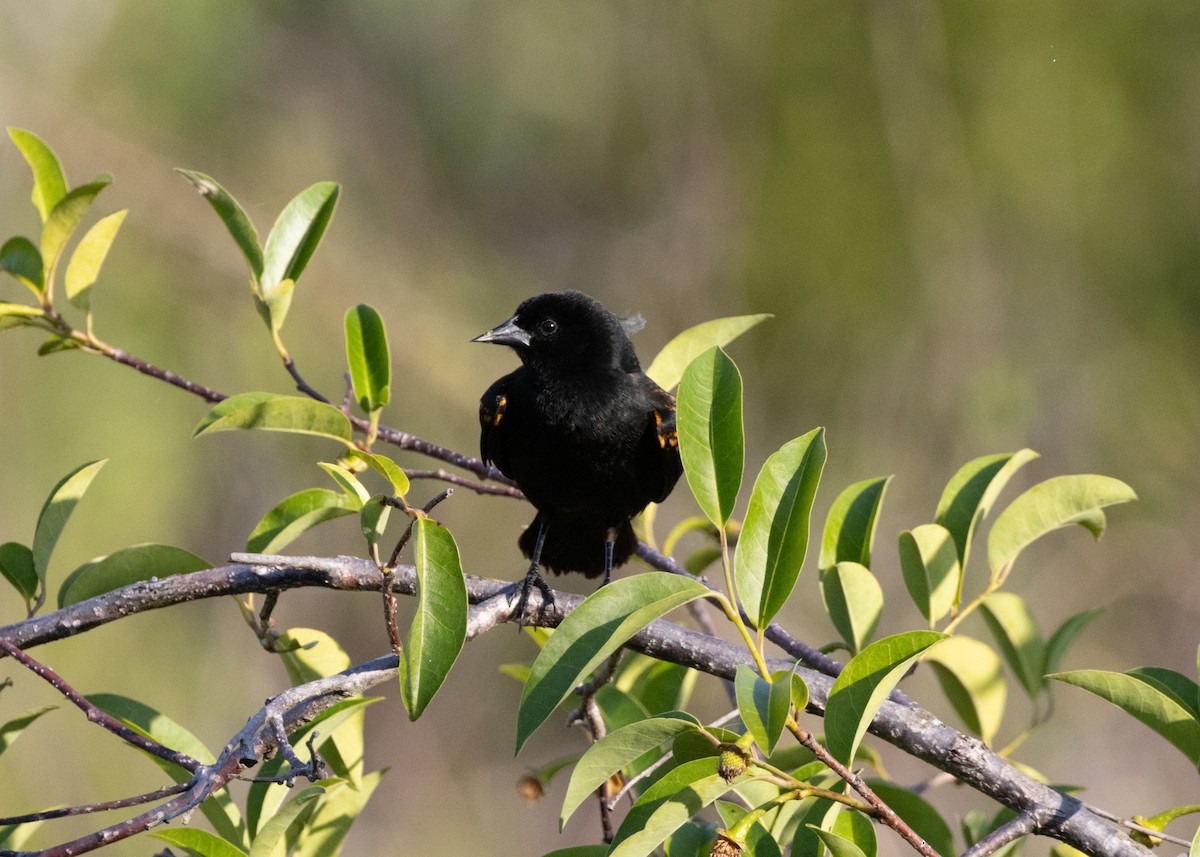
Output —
<point x="533" y="580"/>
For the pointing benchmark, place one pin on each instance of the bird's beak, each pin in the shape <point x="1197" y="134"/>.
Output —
<point x="506" y="334"/>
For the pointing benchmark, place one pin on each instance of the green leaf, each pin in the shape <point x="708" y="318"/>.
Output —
<point x="64" y="219"/>
<point x="389" y="469"/>
<point x="198" y="842"/>
<point x="839" y="846"/>
<point x="57" y="511"/>
<point x="356" y="493"/>
<point x="1064" y="636"/>
<point x="850" y="525"/>
<point x="774" y="537"/>
<point x="324" y="833"/>
<point x="762" y="705"/>
<point x="373" y="518"/>
<point x="854" y="601"/>
<point x="49" y="182"/>
<point x="23" y="261"/>
<point x="1016" y="633"/>
<point x="972" y="677"/>
<point x="709" y="420"/>
<point x="579" y="851"/>
<point x="1048" y="506"/>
<point x="931" y="570"/>
<point x="616" y="750"/>
<point x="273" y="412"/>
<point x="1175" y="685"/>
<point x="668" y="367"/>
<point x="368" y="357"/>
<point x="128" y="565"/>
<point x="439" y="627"/>
<point x="918" y="813"/>
<point x="293" y="815"/>
<point x="970" y="493"/>
<point x="668" y="805"/>
<point x="1146" y="702"/>
<point x="232" y="215"/>
<point x="18" y="315"/>
<point x="595" y="629"/>
<point x="296" y="514"/>
<point x="864" y="684"/>
<point x="16" y="564"/>
<point x="291" y="243"/>
<point x="89" y="256"/>
<point x="657" y="685"/>
<point x="11" y="731"/>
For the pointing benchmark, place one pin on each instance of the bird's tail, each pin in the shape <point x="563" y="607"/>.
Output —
<point x="574" y="544"/>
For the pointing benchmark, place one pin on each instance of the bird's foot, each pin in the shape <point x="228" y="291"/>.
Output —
<point x="533" y="580"/>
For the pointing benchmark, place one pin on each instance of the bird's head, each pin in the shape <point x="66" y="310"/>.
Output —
<point x="567" y="332"/>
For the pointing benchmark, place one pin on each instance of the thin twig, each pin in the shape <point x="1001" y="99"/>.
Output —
<point x="301" y="384"/>
<point x="477" y="487"/>
<point x="88" y="808"/>
<point x="1014" y="829"/>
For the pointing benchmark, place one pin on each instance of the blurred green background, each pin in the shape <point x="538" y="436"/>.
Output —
<point x="977" y="225"/>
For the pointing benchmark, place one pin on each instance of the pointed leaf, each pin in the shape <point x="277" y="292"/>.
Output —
<point x="972" y="678"/>
<point x="1175" y="685"/>
<point x="389" y="469"/>
<point x="326" y="830"/>
<point x="763" y="705"/>
<point x="18" y="315"/>
<point x="49" y="182"/>
<point x="850" y="525"/>
<point x="1061" y="639"/>
<point x="232" y="215"/>
<point x="931" y="570"/>
<point x="668" y="367"/>
<point x="594" y="630"/>
<point x="368" y="357"/>
<point x="294" y="813"/>
<point x="198" y="842"/>
<point x="84" y="267"/>
<point x="774" y="537"/>
<point x="11" y="731"/>
<point x="1144" y="701"/>
<point x="1049" y="505"/>
<point x="1016" y="633"/>
<point x="854" y="601"/>
<point x="709" y="420"/>
<point x="296" y="514"/>
<point x="64" y="219"/>
<point x="16" y="564"/>
<point x="616" y="750"/>
<point x="864" y="685"/>
<point x="668" y="805"/>
<point x="292" y="241"/>
<point x="918" y="813"/>
<point x="439" y="627"/>
<point x="22" y="260"/>
<point x="128" y="565"/>
<point x="355" y="491"/>
<point x="57" y="510"/>
<point x="970" y="493"/>
<point x="272" y="412"/>
<point x="839" y="846"/>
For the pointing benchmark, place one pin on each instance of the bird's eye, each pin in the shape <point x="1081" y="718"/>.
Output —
<point x="548" y="327"/>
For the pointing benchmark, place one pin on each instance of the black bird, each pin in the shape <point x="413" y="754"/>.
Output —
<point x="584" y="433"/>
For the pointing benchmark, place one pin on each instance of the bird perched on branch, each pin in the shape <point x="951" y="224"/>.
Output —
<point x="584" y="433"/>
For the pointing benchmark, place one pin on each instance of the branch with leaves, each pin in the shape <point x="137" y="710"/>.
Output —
<point x="698" y="789"/>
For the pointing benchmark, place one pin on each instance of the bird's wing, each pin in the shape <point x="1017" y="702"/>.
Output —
<point x="663" y="439"/>
<point x="491" y="415"/>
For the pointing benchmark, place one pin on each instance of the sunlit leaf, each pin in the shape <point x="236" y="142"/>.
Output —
<point x="49" y="182"/>
<point x="839" y="846"/>
<point x="774" y="537"/>
<point x="1055" y="503"/>
<point x="616" y="750"/>
<point x="373" y="518"/>
<point x="709" y="420"/>
<point x="850" y="525"/>
<point x="198" y="842"/>
<point x="972" y="678"/>
<point x="763" y="705"/>
<point x="439" y="627"/>
<point x="16" y="564"/>
<point x="57" y="511"/>
<point x="232" y="215"/>
<point x="667" y="368"/>
<point x="21" y="259"/>
<point x="273" y="412"/>
<point x="326" y="830"/>
<point x="1175" y="685"/>
<point x="666" y="806"/>
<point x="368" y="356"/>
<point x="595" y="629"/>
<point x="1146" y="702"/>
<point x="89" y="256"/>
<point x="355" y="491"/>
<point x="18" y="315"/>
<point x="970" y="493"/>
<point x="293" y="815"/>
<point x="929" y="562"/>
<point x="854" y="601"/>
<point x="1016" y="633"/>
<point x="128" y="565"/>
<point x="64" y="219"/>
<point x="864" y="684"/>
<point x="290" y="244"/>
<point x="296" y="514"/>
<point x="389" y="469"/>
